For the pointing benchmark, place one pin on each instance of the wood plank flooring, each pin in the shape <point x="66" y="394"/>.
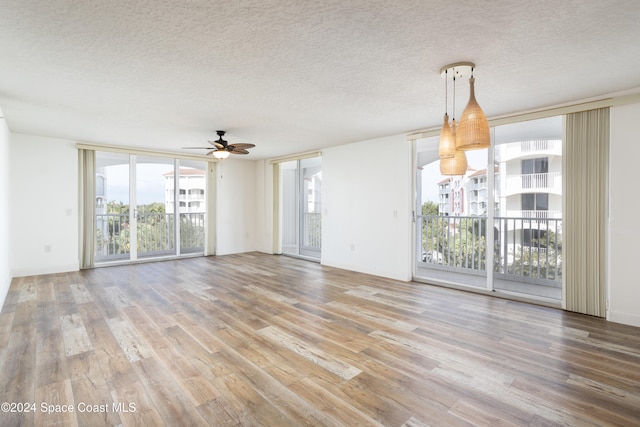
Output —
<point x="255" y="339"/>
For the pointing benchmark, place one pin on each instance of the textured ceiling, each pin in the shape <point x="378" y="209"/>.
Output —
<point x="292" y="75"/>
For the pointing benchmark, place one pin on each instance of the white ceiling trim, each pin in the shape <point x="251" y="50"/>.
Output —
<point x="142" y="152"/>
<point x="630" y="98"/>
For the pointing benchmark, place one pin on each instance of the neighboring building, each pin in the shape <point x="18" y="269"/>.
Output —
<point x="528" y="182"/>
<point x="477" y="187"/>
<point x="101" y="191"/>
<point x="452" y="195"/>
<point x="530" y="179"/>
<point x="192" y="185"/>
<point x="528" y="205"/>
<point x="530" y="194"/>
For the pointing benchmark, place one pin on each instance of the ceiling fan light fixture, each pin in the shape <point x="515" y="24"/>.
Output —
<point x="221" y="154"/>
<point x="221" y="149"/>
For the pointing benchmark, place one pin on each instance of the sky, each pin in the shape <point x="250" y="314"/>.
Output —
<point x="150" y="183"/>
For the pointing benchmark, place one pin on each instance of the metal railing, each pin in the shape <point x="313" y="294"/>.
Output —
<point x="534" y="181"/>
<point x="112" y="236"/>
<point x="155" y="235"/>
<point x="454" y="242"/>
<point x="192" y="232"/>
<point x="312" y="230"/>
<point x="534" y="214"/>
<point x="525" y="249"/>
<point x="529" y="248"/>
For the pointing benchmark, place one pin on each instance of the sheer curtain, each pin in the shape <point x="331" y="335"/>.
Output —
<point x="87" y="206"/>
<point x="585" y="171"/>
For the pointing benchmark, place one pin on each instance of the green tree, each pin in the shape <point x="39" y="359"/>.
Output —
<point x="430" y="208"/>
<point x="541" y="259"/>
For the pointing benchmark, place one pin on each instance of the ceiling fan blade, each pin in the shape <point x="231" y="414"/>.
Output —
<point x="241" y="146"/>
<point x="222" y="145"/>
<point x="217" y="144"/>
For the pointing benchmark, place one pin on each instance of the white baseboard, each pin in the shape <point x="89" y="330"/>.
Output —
<point x="624" y="318"/>
<point x="35" y="271"/>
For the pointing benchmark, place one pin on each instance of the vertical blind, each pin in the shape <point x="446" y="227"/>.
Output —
<point x="87" y="206"/>
<point x="585" y="165"/>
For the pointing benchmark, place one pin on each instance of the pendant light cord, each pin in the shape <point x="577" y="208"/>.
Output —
<point x="446" y="85"/>
<point x="453" y="113"/>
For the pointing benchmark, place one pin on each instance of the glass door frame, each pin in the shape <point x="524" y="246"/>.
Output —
<point x="133" y="254"/>
<point x="489" y="279"/>
<point x="295" y="199"/>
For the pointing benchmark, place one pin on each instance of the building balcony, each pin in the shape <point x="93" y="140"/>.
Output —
<point x="191" y="197"/>
<point x="519" y="214"/>
<point x="534" y="183"/>
<point x="532" y="148"/>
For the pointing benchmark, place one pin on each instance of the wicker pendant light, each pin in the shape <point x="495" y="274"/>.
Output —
<point x="456" y="165"/>
<point x="473" y="130"/>
<point x="447" y="147"/>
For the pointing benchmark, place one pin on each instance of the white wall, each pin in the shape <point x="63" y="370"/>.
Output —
<point x="624" y="231"/>
<point x="366" y="207"/>
<point x="5" y="266"/>
<point x="236" y="206"/>
<point x="43" y="205"/>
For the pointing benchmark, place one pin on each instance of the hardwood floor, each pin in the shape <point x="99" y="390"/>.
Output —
<point x="255" y="339"/>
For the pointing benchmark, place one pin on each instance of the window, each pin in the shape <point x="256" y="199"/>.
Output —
<point x="138" y="218"/>
<point x="535" y="202"/>
<point x="540" y="165"/>
<point x="535" y="173"/>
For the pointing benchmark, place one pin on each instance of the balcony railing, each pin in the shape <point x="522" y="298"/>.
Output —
<point x="528" y="148"/>
<point x="525" y="249"/>
<point x="155" y="235"/>
<point x="550" y="182"/>
<point x="454" y="242"/>
<point x="312" y="231"/>
<point x="534" y="214"/>
<point x="529" y="248"/>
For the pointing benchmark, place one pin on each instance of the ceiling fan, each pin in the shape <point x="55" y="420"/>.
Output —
<point x="221" y="149"/>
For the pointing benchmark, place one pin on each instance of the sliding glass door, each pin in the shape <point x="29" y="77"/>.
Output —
<point x="113" y="220"/>
<point x="301" y="182"/>
<point x="154" y="214"/>
<point x="496" y="227"/>
<point x="148" y="207"/>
